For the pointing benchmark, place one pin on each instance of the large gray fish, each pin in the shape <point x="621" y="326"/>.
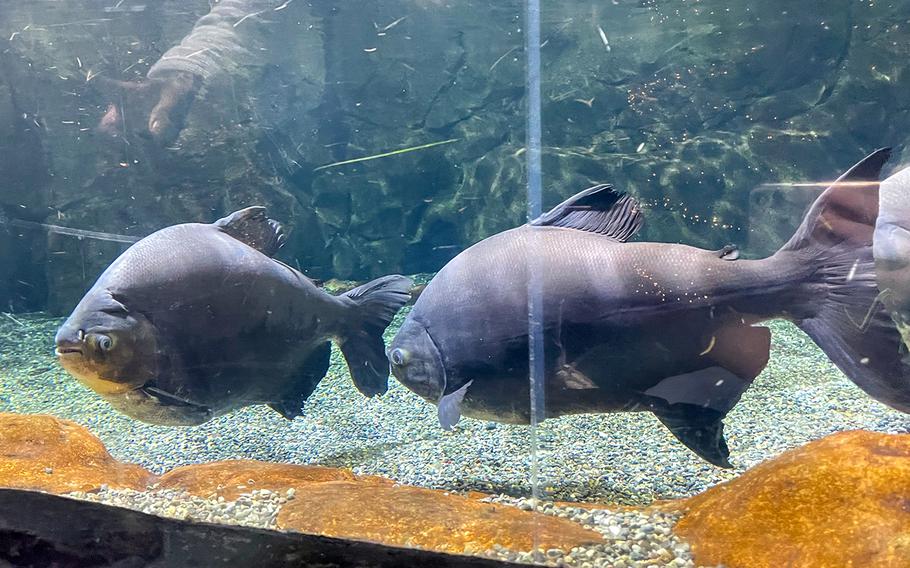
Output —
<point x="648" y="326"/>
<point x="891" y="248"/>
<point x="196" y="320"/>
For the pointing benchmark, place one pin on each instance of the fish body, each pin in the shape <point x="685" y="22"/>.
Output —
<point x="632" y="326"/>
<point x="197" y="319"/>
<point x="892" y="249"/>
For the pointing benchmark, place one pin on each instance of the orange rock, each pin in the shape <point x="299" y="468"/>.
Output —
<point x="231" y="478"/>
<point x="840" y="501"/>
<point x="44" y="453"/>
<point x="425" y="518"/>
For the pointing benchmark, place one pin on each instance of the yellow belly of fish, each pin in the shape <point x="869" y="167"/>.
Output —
<point x="102" y="386"/>
<point x="92" y="380"/>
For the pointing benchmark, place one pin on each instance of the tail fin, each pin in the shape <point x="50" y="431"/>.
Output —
<point x="376" y="303"/>
<point x="850" y="323"/>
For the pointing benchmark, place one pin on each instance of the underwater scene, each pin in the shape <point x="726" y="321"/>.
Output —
<point x="584" y="283"/>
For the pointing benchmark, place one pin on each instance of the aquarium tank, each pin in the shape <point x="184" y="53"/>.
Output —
<point x="582" y="283"/>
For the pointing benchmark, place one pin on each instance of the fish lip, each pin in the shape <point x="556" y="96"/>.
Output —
<point x="67" y="351"/>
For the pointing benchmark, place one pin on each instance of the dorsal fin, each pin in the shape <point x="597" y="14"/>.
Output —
<point x="251" y="227"/>
<point x="599" y="209"/>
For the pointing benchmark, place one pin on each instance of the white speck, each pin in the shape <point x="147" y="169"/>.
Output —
<point x="603" y="37"/>
<point x="852" y="270"/>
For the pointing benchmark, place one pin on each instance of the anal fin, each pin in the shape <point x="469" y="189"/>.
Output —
<point x="693" y="405"/>
<point x="313" y="370"/>
<point x="288" y="409"/>
<point x="700" y="429"/>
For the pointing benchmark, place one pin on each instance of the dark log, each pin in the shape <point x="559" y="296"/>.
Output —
<point x="43" y="530"/>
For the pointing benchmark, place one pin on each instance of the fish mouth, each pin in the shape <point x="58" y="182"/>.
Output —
<point x="68" y="346"/>
<point x="67" y="351"/>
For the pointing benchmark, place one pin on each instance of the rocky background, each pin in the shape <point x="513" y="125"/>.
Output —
<point x="691" y="105"/>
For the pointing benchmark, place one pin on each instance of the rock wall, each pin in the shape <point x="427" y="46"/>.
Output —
<point x="689" y="105"/>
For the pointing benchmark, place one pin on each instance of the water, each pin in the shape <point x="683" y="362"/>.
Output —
<point x="389" y="137"/>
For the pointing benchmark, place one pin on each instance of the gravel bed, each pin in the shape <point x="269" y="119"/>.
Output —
<point x="616" y="458"/>
<point x="632" y="539"/>
<point x="259" y="508"/>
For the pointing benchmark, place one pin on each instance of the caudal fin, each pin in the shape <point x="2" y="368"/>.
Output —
<point x="850" y="323"/>
<point x="374" y="305"/>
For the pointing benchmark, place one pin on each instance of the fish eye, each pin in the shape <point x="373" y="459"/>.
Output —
<point x="105" y="343"/>
<point x="399" y="357"/>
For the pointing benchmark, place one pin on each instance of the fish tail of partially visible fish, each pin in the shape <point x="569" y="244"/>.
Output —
<point x="847" y="318"/>
<point x="372" y="306"/>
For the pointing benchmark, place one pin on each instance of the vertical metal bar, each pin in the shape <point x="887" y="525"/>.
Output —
<point x="535" y="278"/>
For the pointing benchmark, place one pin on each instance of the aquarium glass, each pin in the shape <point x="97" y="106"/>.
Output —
<point x="521" y="279"/>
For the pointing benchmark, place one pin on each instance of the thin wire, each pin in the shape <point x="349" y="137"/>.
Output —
<point x="80" y="233"/>
<point x="535" y="290"/>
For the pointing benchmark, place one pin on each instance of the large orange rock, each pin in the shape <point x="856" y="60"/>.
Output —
<point x="44" y="453"/>
<point x="425" y="518"/>
<point x="837" y="502"/>
<point x="232" y="478"/>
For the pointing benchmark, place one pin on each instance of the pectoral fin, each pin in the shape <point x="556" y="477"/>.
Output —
<point x="449" y="407"/>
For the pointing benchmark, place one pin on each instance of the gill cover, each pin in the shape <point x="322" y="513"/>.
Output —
<point x="416" y="361"/>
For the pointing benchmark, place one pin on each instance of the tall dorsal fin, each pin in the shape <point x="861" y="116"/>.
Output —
<point x="599" y="209"/>
<point x="251" y="227"/>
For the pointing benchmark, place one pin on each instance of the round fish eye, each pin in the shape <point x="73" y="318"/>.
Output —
<point x="105" y="343"/>
<point x="399" y="357"/>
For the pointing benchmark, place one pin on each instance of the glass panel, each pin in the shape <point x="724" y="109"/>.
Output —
<point x="441" y="264"/>
<point x="674" y="368"/>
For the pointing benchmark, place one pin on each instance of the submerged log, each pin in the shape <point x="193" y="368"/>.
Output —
<point x="37" y="529"/>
